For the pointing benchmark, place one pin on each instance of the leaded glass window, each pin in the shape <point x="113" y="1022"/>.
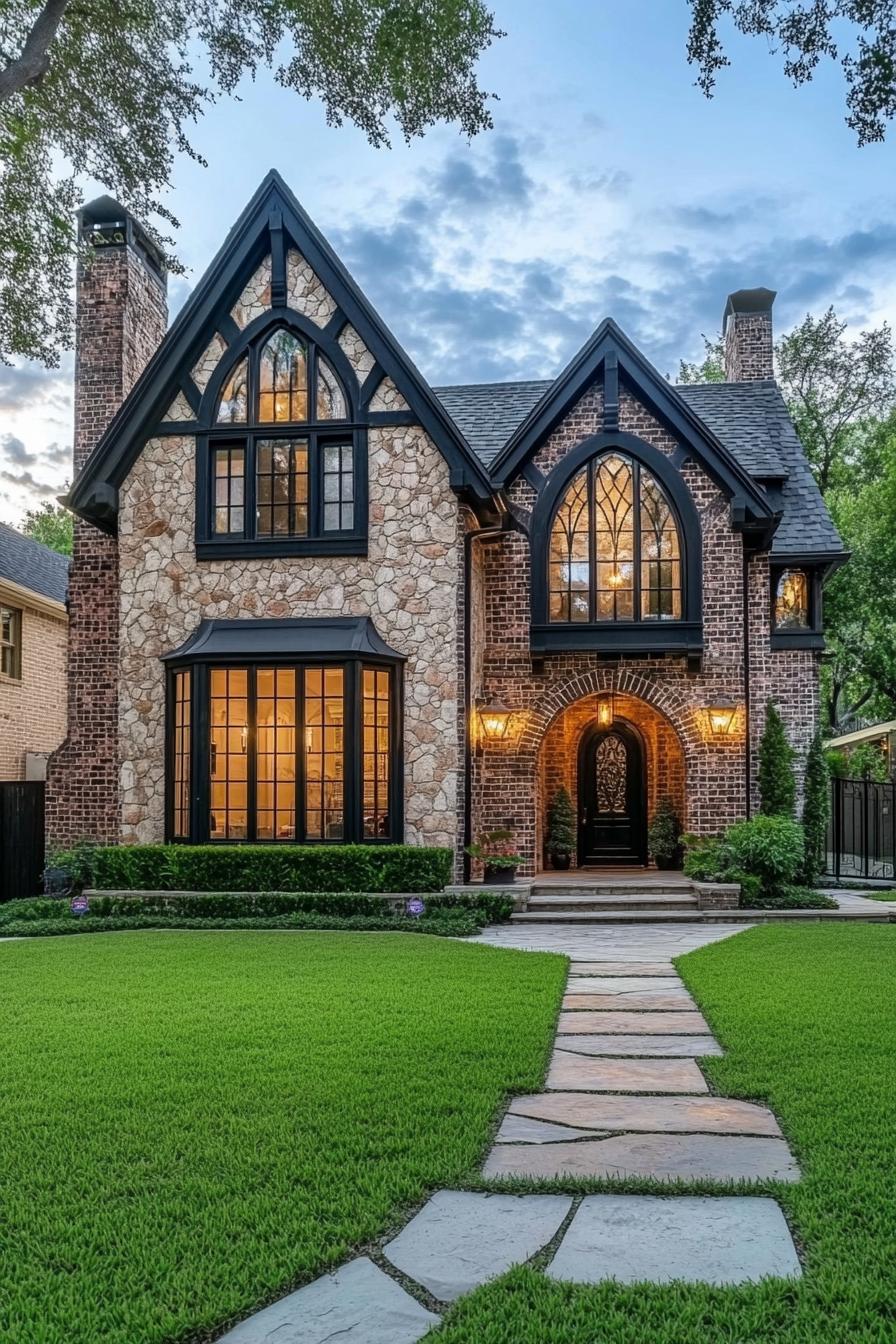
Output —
<point x="283" y="378"/>
<point x="181" y="754"/>
<point x="615" y="547"/>
<point x="281" y="488"/>
<point x="229" y="484"/>
<point x="233" y="403"/>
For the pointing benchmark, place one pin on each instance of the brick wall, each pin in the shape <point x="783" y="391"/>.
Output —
<point x="32" y="710"/>
<point x="749" y="349"/>
<point x="513" y="779"/>
<point x="121" y="318"/>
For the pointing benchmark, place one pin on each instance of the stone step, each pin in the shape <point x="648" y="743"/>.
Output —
<point x="641" y="1046"/>
<point x="596" y="891"/>
<point x="618" y="1021"/>
<point x="722" y="1158"/>
<point x="666" y="1115"/>
<point x="573" y="1072"/>
<point x="618" y="915"/>
<point x="589" y="901"/>
<point x="658" y="915"/>
<point x="673" y="1000"/>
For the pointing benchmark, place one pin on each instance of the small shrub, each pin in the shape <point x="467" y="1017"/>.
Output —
<point x="767" y="847"/>
<point x="777" y="786"/>
<point x="706" y="858"/>
<point x="664" y="835"/>
<point x="867" y="761"/>
<point x="792" y="898"/>
<point x="816" y="811"/>
<point x="259" y="868"/>
<point x="750" y="889"/>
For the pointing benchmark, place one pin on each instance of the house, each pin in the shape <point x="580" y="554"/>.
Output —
<point x="315" y="599"/>
<point x="33" y="620"/>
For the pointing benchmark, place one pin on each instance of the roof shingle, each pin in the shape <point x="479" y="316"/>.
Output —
<point x="32" y="565"/>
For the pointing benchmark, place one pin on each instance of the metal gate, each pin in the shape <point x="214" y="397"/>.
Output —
<point x="21" y="838"/>
<point x="862" y="829"/>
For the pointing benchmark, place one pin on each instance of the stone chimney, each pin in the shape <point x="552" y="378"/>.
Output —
<point x="121" y="316"/>
<point x="747" y="327"/>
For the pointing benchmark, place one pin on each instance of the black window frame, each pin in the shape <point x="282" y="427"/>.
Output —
<point x="810" y="636"/>
<point x="351" y="430"/>
<point x="639" y="635"/>
<point x="353" y="740"/>
<point x="15" y="644"/>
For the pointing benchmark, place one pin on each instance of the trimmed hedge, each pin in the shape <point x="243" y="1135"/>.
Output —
<point x="298" y="868"/>
<point x="447" y="924"/>
<point x="486" y="907"/>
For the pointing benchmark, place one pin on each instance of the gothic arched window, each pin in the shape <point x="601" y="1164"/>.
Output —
<point x="615" y="549"/>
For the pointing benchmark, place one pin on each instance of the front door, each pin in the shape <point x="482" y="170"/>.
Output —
<point x="611" y="798"/>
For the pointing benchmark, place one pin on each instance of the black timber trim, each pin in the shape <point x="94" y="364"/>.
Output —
<point x="592" y="363"/>
<point x="621" y="636"/>
<point x="370" y="384"/>
<point x="202" y="315"/>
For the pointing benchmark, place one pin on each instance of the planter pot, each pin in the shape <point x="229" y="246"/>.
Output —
<point x="667" y="862"/>
<point x="498" y="877"/>
<point x="561" y="862"/>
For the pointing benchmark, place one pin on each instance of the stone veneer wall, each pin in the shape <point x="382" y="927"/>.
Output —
<point x="408" y="583"/>
<point x="506" y="789"/>
<point x="121" y="318"/>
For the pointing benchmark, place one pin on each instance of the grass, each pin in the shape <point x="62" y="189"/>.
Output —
<point x="880" y="895"/>
<point x="191" y="1123"/>
<point x="808" y="1019"/>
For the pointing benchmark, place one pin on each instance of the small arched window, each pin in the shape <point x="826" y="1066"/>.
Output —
<point x="285" y="467"/>
<point x="615" y="547"/>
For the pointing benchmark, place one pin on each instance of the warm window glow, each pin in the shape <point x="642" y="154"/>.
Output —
<point x="377" y="750"/>
<point x="281" y="488"/>
<point x="324" y="753"/>
<point x="792" y="600"/>
<point x="283" y="379"/>
<point x="275" y="753"/>
<point x="181" y="756"/>
<point x="229" y="488"/>
<point x="233" y="404"/>
<point x="615" y="553"/>
<point x="229" y="754"/>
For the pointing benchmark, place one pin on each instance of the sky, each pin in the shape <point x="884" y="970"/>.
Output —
<point x="609" y="186"/>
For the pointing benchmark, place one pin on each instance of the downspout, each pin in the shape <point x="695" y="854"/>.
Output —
<point x="747" y="748"/>
<point x="487" y="533"/>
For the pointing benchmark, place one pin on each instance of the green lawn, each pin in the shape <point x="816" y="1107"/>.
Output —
<point x="808" y="1017"/>
<point x="191" y="1123"/>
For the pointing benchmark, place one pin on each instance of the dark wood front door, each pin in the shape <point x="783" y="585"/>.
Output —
<point x="611" y="798"/>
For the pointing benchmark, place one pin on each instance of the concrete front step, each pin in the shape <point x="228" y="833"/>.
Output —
<point x="661" y="915"/>
<point x="600" y="890"/>
<point x="592" y="902"/>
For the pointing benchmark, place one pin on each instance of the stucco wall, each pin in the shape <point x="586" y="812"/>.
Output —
<point x="408" y="584"/>
<point x="33" y="709"/>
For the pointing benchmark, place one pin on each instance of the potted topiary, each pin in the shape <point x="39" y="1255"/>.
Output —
<point x="495" y="851"/>
<point x="561" y="837"/>
<point x="664" y="836"/>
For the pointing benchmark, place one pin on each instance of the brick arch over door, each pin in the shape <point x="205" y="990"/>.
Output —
<point x="681" y="713"/>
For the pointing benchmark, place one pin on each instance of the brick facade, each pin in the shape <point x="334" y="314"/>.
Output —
<point x="121" y="318"/>
<point x="32" y="707"/>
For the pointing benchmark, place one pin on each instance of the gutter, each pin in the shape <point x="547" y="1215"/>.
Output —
<point x="747" y="708"/>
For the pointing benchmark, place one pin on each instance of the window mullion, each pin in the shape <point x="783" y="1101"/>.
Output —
<point x="636" y="541"/>
<point x="252" y="757"/>
<point x="592" y="549"/>
<point x="314" y="487"/>
<point x="301" y="755"/>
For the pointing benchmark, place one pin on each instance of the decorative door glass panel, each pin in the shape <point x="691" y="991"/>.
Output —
<point x="611" y="764"/>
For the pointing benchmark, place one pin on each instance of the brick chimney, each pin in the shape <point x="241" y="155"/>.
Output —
<point x="121" y="316"/>
<point x="747" y="326"/>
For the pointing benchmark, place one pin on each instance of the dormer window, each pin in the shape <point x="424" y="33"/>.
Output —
<point x="796" y="600"/>
<point x="792" y="600"/>
<point x="283" y="471"/>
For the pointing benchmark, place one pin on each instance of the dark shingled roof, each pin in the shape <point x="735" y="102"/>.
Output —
<point x="32" y="565"/>
<point x="750" y="419"/>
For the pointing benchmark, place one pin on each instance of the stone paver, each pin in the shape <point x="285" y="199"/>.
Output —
<point x="619" y="968"/>
<point x="520" y="1129"/>
<point x="628" y="984"/>
<point x="359" y="1304"/>
<point x="663" y="1157"/>
<point x="460" y="1239"/>
<point x="660" y="1046"/>
<point x="625" y="1023"/>
<point x="670" y="1115"/>
<point x="643" y="1001"/>
<point x="585" y="1073"/>
<point x="633" y="1238"/>
<point x="609" y="942"/>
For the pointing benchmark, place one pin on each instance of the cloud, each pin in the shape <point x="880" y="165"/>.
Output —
<point x="14" y="449"/>
<point x="25" y="480"/>
<point x="465" y="180"/>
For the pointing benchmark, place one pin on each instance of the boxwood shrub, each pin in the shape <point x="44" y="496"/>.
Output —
<point x="260" y="868"/>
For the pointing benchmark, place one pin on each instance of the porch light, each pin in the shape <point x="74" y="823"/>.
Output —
<point x="494" y="719"/>
<point x="606" y="711"/>
<point x="722" y="713"/>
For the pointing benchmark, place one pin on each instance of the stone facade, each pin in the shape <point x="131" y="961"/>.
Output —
<point x="32" y="707"/>
<point x="121" y="318"/>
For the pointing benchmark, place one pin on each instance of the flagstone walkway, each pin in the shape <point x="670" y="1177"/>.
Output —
<point x="624" y="1097"/>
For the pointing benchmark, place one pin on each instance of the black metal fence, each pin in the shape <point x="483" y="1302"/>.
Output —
<point x="862" y="829"/>
<point x="21" y="838"/>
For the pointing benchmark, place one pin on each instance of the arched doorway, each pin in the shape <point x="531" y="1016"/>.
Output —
<point x="612" y="795"/>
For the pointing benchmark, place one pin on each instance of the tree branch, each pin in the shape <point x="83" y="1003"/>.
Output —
<point x="34" y="62"/>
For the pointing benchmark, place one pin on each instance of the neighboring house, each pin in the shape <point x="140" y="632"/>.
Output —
<point x="880" y="736"/>
<point x="33" y="620"/>
<point x="316" y="599"/>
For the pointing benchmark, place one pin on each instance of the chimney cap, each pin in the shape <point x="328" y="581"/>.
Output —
<point x="749" y="301"/>
<point x="108" y="222"/>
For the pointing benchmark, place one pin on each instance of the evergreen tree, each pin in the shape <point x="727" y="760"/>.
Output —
<point x="816" y="810"/>
<point x="777" y="786"/>
<point x="561" y="824"/>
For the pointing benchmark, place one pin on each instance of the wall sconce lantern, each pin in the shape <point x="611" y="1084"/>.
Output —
<point x="494" y="719"/>
<point x="606" y="710"/>
<point x="722" y="714"/>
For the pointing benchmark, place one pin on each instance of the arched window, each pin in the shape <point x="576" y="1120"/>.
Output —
<point x="615" y="549"/>
<point x="283" y="470"/>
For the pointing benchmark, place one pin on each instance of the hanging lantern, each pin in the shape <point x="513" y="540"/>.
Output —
<point x="722" y="714"/>
<point x="606" y="710"/>
<point x="494" y="719"/>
